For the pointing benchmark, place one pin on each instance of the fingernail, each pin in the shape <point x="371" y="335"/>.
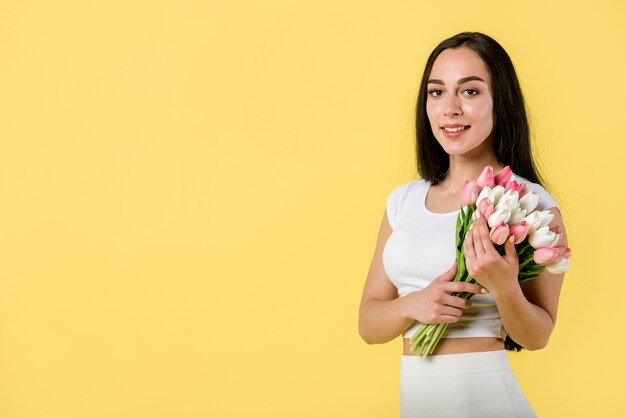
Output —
<point x="477" y="214"/>
<point x="511" y="239"/>
<point x="471" y="226"/>
<point x="484" y="291"/>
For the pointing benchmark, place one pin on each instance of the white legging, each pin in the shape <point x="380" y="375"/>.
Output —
<point x="469" y="385"/>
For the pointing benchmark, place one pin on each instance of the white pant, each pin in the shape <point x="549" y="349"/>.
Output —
<point x="468" y="385"/>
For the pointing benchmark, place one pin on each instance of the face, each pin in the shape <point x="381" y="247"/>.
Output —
<point x="459" y="103"/>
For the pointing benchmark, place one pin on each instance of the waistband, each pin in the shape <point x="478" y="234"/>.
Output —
<point x="456" y="364"/>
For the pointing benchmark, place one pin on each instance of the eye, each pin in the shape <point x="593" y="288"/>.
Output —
<point x="435" y="92"/>
<point x="470" y="92"/>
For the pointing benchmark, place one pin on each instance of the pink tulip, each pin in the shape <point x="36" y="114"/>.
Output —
<point x="499" y="234"/>
<point x="549" y="255"/>
<point x="519" y="231"/>
<point x="513" y="186"/>
<point x="486" y="208"/>
<point x="469" y="192"/>
<point x="523" y="189"/>
<point x="562" y="249"/>
<point x="503" y="177"/>
<point x="486" y="178"/>
<point x="545" y="255"/>
<point x="561" y="263"/>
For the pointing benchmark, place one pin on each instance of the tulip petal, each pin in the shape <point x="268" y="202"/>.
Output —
<point x="559" y="266"/>
<point x="529" y="201"/>
<point x="498" y="216"/>
<point x="499" y="234"/>
<point x="517" y="216"/>
<point x="469" y="192"/>
<point x="545" y="255"/>
<point x="496" y="193"/>
<point x="543" y="237"/>
<point x="486" y="178"/>
<point x="519" y="231"/>
<point x="503" y="176"/>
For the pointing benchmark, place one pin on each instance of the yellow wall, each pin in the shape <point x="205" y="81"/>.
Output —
<point x="190" y="194"/>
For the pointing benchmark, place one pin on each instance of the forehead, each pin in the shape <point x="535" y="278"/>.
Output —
<point x="455" y="63"/>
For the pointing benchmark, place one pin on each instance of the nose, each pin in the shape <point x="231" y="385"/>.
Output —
<point x="452" y="106"/>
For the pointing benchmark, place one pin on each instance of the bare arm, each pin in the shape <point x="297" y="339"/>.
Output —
<point x="528" y="310"/>
<point x="380" y="314"/>
<point x="383" y="315"/>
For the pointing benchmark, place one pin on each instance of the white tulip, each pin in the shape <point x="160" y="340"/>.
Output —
<point x="497" y="193"/>
<point x="517" y="216"/>
<point x="501" y="215"/>
<point x="484" y="193"/>
<point x="529" y="201"/>
<point x="536" y="220"/>
<point x="509" y="201"/>
<point x="494" y="195"/>
<point x="545" y="217"/>
<point x="558" y="266"/>
<point x="543" y="237"/>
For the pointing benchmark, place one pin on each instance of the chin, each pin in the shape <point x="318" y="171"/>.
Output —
<point x="454" y="150"/>
<point x="461" y="147"/>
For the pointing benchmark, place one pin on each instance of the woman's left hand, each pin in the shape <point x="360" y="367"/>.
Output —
<point x="491" y="270"/>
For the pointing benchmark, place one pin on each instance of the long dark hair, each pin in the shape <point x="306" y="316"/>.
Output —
<point x="510" y="132"/>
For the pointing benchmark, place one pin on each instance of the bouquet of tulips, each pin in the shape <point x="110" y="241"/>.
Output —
<point x="509" y="208"/>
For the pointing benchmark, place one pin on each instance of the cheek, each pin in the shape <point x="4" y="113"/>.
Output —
<point x="488" y="117"/>
<point x="484" y="113"/>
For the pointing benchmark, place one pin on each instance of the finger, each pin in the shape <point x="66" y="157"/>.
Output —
<point x="447" y="319"/>
<point x="448" y="275"/>
<point x="456" y="302"/>
<point x="470" y="253"/>
<point x="476" y="235"/>
<point x="510" y="251"/>
<point x="449" y="310"/>
<point x="485" y="239"/>
<point x="465" y="287"/>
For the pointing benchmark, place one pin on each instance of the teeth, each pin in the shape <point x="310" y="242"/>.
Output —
<point x="456" y="129"/>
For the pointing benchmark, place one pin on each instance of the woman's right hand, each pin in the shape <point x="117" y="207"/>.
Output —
<point x="435" y="304"/>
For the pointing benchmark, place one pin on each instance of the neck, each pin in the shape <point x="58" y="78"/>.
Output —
<point x="464" y="168"/>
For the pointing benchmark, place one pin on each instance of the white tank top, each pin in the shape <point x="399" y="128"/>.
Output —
<point x="422" y="247"/>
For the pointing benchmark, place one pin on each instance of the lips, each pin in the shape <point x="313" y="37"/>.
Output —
<point x="455" y="128"/>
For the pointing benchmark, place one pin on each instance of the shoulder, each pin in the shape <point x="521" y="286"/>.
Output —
<point x="546" y="200"/>
<point x="405" y="189"/>
<point x="401" y="194"/>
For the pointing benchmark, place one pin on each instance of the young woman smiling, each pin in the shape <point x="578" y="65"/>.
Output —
<point x="470" y="114"/>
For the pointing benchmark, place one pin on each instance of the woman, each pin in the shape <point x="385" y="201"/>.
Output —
<point x="470" y="114"/>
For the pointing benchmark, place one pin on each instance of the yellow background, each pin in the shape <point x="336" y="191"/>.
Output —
<point x="190" y="194"/>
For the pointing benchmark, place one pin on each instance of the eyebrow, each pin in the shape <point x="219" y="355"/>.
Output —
<point x="460" y="81"/>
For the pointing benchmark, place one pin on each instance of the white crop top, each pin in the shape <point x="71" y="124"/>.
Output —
<point x="422" y="247"/>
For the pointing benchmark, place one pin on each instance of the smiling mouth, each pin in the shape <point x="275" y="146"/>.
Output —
<point x="456" y="128"/>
